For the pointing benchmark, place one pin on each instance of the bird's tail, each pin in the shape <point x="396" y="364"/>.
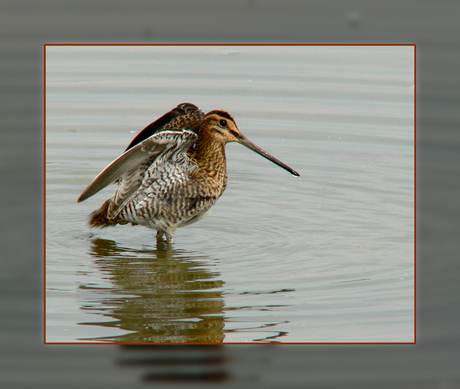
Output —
<point x="100" y="219"/>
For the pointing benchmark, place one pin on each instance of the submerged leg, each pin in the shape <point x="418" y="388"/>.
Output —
<point x="168" y="235"/>
<point x="169" y="238"/>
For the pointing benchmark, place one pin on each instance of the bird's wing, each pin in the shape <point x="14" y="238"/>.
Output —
<point x="131" y="166"/>
<point x="185" y="115"/>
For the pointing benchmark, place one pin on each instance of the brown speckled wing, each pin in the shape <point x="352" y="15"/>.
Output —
<point x="178" y="125"/>
<point x="131" y="166"/>
<point x="184" y="116"/>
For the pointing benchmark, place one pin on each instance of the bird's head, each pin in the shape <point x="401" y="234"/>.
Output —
<point x="221" y="125"/>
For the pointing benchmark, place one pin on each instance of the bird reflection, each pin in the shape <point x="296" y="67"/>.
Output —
<point x="165" y="295"/>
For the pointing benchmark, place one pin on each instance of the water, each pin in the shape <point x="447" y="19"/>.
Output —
<point x="324" y="257"/>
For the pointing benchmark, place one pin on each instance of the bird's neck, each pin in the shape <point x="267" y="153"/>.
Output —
<point x="209" y="156"/>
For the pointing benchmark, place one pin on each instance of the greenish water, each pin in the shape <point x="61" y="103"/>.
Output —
<point x="325" y="257"/>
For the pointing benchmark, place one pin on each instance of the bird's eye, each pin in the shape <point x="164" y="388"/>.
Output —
<point x="223" y="123"/>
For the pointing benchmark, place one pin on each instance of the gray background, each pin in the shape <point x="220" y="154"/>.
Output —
<point x="25" y="26"/>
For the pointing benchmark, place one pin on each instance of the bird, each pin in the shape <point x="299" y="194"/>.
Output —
<point x="172" y="172"/>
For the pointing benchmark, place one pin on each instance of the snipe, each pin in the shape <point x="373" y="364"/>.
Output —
<point x="172" y="173"/>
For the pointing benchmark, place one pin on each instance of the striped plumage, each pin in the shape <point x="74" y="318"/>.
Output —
<point x="172" y="173"/>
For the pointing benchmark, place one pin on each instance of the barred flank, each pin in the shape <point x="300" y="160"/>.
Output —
<point x="99" y="218"/>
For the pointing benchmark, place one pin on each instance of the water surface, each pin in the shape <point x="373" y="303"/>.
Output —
<point x="324" y="257"/>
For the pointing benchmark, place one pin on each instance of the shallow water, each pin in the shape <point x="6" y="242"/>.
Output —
<point x="324" y="257"/>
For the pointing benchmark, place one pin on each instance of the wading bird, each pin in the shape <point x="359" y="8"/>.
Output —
<point x="172" y="173"/>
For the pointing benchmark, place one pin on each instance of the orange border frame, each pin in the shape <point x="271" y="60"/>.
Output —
<point x="231" y="44"/>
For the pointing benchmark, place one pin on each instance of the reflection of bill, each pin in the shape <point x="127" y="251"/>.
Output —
<point x="166" y="295"/>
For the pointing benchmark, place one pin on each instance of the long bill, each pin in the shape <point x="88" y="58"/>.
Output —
<point x="246" y="142"/>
